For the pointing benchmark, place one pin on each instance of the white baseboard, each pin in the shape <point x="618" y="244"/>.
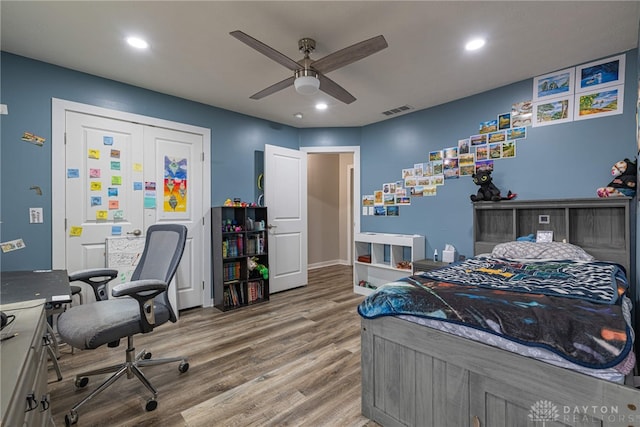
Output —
<point x="328" y="263"/>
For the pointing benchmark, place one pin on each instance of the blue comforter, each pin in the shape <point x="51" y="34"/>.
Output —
<point x="553" y="305"/>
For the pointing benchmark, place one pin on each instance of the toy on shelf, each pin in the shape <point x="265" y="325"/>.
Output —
<point x="488" y="191"/>
<point x="260" y="268"/>
<point x="237" y="203"/>
<point x="625" y="173"/>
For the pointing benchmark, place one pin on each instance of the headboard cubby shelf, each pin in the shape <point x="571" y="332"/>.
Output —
<point x="602" y="227"/>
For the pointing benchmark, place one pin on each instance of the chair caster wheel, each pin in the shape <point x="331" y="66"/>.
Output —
<point x="71" y="418"/>
<point x="183" y="367"/>
<point x="147" y="355"/>
<point x="81" y="383"/>
<point x="151" y="405"/>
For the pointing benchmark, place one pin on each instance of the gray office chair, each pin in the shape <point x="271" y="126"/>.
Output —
<point x="145" y="306"/>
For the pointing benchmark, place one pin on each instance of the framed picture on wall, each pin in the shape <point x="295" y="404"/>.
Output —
<point x="553" y="111"/>
<point x="554" y="85"/>
<point x="599" y="74"/>
<point x="603" y="102"/>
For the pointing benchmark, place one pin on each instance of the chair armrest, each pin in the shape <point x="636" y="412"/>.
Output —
<point x="97" y="278"/>
<point x="143" y="291"/>
<point x="141" y="287"/>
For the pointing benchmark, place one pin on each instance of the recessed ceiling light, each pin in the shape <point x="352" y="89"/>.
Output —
<point x="137" y="42"/>
<point x="321" y="106"/>
<point x="474" y="44"/>
<point x="298" y="115"/>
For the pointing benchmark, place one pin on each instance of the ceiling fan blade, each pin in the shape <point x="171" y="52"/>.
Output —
<point x="274" y="88"/>
<point x="334" y="89"/>
<point x="266" y="50"/>
<point x="350" y="54"/>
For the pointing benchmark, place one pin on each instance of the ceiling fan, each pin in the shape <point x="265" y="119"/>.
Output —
<point x="308" y="74"/>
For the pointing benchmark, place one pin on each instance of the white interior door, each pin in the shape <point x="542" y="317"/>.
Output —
<point x="104" y="157"/>
<point x="285" y="196"/>
<point x="103" y="170"/>
<point x="174" y="162"/>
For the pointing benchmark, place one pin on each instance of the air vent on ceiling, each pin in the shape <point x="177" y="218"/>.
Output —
<point x="397" y="110"/>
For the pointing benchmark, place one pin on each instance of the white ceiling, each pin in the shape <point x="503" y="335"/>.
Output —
<point x="193" y="56"/>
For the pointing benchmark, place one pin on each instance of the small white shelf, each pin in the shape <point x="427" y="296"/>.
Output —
<point x="386" y="252"/>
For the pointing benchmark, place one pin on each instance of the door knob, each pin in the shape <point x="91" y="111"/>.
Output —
<point x="135" y="232"/>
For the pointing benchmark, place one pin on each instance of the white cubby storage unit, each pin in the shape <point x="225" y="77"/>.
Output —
<point x="386" y="252"/>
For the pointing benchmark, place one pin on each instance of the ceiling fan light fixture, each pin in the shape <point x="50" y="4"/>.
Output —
<point x="306" y="82"/>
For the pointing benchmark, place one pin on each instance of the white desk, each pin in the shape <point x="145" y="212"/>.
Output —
<point x="24" y="399"/>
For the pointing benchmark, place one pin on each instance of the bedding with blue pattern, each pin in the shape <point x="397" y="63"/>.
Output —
<point x="571" y="308"/>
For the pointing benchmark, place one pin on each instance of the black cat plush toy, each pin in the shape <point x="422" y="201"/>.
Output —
<point x="487" y="191"/>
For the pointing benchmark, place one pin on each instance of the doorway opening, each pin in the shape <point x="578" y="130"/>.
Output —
<point x="333" y="191"/>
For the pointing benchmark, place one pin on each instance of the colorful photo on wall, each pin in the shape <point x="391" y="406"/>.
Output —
<point x="403" y="199"/>
<point x="393" y="211"/>
<point x="389" y="199"/>
<point x="478" y="140"/>
<point x="484" y="165"/>
<point x="451" y="168"/>
<point x="428" y="169"/>
<point x="410" y="182"/>
<point x="495" y="150"/>
<point x="521" y="114"/>
<point x="435" y="155"/>
<point x="399" y="187"/>
<point x="406" y="173"/>
<point x="377" y="198"/>
<point x="467" y="164"/>
<point x="602" y="73"/>
<point x="508" y="149"/>
<point x="451" y="153"/>
<point x="175" y="184"/>
<point x="437" y="167"/>
<point x="367" y="200"/>
<point x="517" y="133"/>
<point x="422" y="181"/>
<point x="553" y="112"/>
<point x="488" y="126"/>
<point x="437" y="180"/>
<point x="553" y="85"/>
<point x="379" y="211"/>
<point x="497" y="136"/>
<point x="418" y="169"/>
<point x="604" y="102"/>
<point x="482" y="152"/>
<point x="464" y="146"/>
<point x="417" y="191"/>
<point x="430" y="191"/>
<point x="504" y="121"/>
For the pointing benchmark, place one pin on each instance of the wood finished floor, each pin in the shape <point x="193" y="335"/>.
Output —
<point x="292" y="361"/>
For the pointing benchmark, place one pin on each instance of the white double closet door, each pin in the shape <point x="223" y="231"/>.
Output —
<point x="120" y="177"/>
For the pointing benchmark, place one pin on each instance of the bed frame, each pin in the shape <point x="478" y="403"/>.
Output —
<point x="416" y="376"/>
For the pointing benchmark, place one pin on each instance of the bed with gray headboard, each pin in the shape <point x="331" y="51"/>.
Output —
<point x="419" y="373"/>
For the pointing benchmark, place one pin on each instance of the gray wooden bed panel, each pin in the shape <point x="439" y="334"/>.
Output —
<point x="416" y="376"/>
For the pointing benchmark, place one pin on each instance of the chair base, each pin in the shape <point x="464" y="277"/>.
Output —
<point x="130" y="368"/>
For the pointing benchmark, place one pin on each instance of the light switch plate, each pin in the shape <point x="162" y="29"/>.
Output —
<point x="35" y="216"/>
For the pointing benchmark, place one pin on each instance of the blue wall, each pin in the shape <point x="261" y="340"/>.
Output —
<point x="27" y="88"/>
<point x="569" y="160"/>
<point x="560" y="161"/>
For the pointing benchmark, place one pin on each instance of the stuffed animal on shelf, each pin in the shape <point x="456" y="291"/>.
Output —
<point x="260" y="268"/>
<point x="625" y="174"/>
<point x="487" y="191"/>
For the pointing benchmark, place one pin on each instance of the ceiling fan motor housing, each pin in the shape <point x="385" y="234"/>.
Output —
<point x="306" y="45"/>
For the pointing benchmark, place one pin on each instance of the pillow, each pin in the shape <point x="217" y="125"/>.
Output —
<point x="540" y="250"/>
